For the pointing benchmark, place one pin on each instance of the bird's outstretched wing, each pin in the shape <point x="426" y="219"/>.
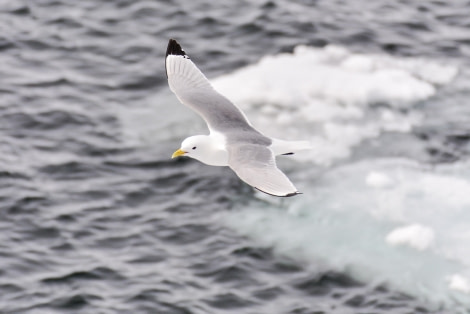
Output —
<point x="256" y="165"/>
<point x="194" y="90"/>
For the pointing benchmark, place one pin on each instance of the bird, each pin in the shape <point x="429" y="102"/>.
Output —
<point x="232" y="140"/>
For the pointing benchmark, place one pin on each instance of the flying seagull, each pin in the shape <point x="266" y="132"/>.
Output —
<point x="232" y="140"/>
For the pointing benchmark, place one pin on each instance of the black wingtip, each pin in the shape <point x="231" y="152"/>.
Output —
<point x="293" y="194"/>
<point x="174" y="49"/>
<point x="287" y="195"/>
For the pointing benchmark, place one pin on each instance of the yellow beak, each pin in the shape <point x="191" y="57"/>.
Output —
<point x="178" y="153"/>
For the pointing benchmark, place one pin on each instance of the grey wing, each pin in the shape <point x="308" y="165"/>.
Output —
<point x="256" y="165"/>
<point x="194" y="90"/>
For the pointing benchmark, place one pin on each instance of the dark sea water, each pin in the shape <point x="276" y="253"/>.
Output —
<point x="94" y="215"/>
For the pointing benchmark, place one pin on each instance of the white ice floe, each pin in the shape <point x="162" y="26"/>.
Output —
<point x="327" y="94"/>
<point x="378" y="180"/>
<point x="459" y="283"/>
<point x="415" y="235"/>
<point x="334" y="73"/>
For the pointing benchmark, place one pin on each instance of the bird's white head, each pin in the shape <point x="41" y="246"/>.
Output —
<point x="204" y="149"/>
<point x="194" y="147"/>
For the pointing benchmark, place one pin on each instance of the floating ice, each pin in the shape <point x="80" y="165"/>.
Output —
<point x="416" y="236"/>
<point x="328" y="94"/>
<point x="378" y="180"/>
<point x="459" y="283"/>
<point x="308" y="74"/>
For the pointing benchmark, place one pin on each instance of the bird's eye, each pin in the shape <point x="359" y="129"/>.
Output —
<point x="194" y="147"/>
